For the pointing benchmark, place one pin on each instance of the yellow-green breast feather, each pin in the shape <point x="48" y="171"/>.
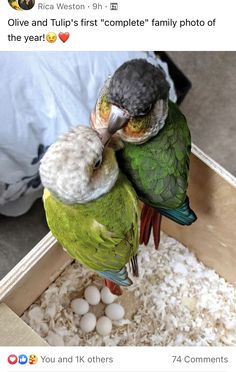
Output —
<point x="101" y="234"/>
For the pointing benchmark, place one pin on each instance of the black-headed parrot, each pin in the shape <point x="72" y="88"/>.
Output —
<point x="134" y="103"/>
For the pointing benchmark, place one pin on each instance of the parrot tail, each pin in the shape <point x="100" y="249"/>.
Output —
<point x="150" y="218"/>
<point x="119" y="277"/>
<point x="114" y="288"/>
<point x="183" y="215"/>
<point x="156" y="225"/>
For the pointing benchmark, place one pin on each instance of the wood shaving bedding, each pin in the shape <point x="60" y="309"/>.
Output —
<point x="176" y="301"/>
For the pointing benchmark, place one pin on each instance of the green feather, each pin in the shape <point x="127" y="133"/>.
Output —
<point x="158" y="169"/>
<point x="102" y="234"/>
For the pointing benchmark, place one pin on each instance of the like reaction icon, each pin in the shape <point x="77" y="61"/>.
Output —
<point x="22" y="359"/>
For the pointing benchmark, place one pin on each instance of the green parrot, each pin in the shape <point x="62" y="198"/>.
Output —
<point x="91" y="208"/>
<point x="156" y="142"/>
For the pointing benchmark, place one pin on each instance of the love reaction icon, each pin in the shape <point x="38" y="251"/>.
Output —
<point x="12" y="359"/>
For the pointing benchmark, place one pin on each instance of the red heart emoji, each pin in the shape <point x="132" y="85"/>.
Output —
<point x="64" y="36"/>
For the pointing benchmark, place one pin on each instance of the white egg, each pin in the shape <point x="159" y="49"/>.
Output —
<point x="115" y="311"/>
<point x="106" y="296"/>
<point x="92" y="295"/>
<point x="104" y="326"/>
<point x="80" y="306"/>
<point x="88" y="322"/>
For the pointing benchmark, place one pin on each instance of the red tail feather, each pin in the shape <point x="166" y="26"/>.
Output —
<point x="146" y="224"/>
<point x="156" y="225"/>
<point x="114" y="288"/>
<point x="150" y="218"/>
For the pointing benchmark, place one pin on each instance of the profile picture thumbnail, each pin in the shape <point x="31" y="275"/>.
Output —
<point x="26" y="4"/>
<point x="14" y="4"/>
<point x="21" y="4"/>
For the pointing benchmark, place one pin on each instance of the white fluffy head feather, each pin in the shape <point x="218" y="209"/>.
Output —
<point x="77" y="168"/>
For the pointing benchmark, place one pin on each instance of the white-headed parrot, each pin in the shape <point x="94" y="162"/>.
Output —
<point x="91" y="208"/>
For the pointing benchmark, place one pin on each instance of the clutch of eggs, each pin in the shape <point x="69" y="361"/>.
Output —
<point x="88" y="321"/>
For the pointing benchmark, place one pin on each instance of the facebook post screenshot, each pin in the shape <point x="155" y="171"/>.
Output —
<point x="117" y="186"/>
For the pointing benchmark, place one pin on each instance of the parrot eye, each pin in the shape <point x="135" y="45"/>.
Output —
<point x="146" y="111"/>
<point x="98" y="163"/>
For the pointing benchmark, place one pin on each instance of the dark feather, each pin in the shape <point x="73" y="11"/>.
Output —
<point x="137" y="85"/>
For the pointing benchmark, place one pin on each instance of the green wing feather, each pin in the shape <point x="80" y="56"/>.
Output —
<point x="158" y="169"/>
<point x="102" y="234"/>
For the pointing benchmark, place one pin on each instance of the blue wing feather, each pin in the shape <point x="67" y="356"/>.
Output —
<point x="183" y="215"/>
<point x="118" y="277"/>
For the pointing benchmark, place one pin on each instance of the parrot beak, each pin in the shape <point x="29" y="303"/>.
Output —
<point x="117" y="119"/>
<point x="104" y="135"/>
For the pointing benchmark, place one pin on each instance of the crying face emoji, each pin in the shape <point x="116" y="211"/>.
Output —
<point x="51" y="37"/>
<point x="33" y="359"/>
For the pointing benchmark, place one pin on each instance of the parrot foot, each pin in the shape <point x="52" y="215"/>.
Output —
<point x="114" y="288"/>
<point x="134" y="264"/>
<point x="150" y="219"/>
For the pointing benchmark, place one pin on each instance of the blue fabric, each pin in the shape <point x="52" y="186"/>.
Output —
<point x="42" y="95"/>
